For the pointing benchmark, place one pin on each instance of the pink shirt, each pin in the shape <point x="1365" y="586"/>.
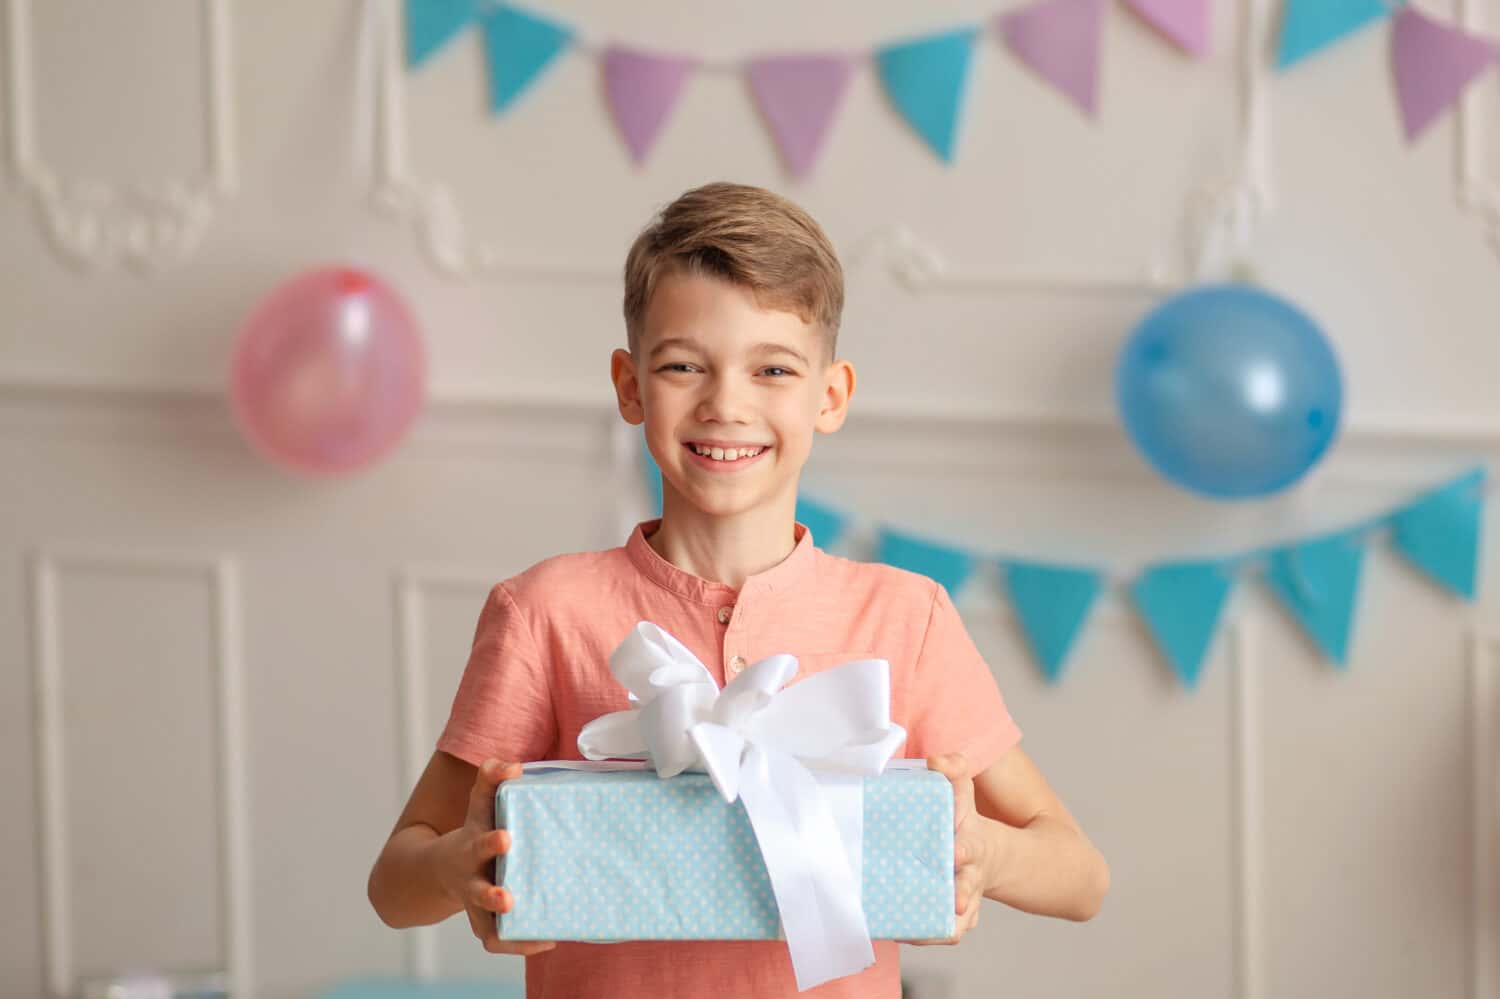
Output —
<point x="539" y="671"/>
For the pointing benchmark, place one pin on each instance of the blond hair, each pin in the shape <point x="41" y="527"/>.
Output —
<point x="745" y="235"/>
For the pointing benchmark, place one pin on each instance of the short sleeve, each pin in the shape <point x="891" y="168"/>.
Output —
<point x="954" y="704"/>
<point x="503" y="707"/>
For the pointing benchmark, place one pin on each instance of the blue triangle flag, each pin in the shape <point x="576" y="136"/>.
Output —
<point x="1052" y="602"/>
<point x="1181" y="603"/>
<point x="1310" y="25"/>
<point x="1440" y="532"/>
<point x="926" y="79"/>
<point x="518" y="46"/>
<point x="431" y="24"/>
<point x="826" y="524"/>
<point x="948" y="566"/>
<point x="1318" y="582"/>
<point x="652" y="471"/>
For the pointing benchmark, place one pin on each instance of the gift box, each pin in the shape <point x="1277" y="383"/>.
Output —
<point x="629" y="855"/>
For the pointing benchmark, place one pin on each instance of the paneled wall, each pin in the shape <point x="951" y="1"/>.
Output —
<point x="220" y="679"/>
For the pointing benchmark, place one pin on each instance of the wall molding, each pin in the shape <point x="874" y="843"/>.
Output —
<point x="1215" y="216"/>
<point x="1237" y="641"/>
<point x="222" y="575"/>
<point x="1478" y="193"/>
<point x="470" y="402"/>
<point x="412" y="583"/>
<point x="94" y="223"/>
<point x="1484" y="734"/>
<point x="1246" y="813"/>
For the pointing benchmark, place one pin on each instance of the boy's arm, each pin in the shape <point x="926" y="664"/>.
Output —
<point x="1030" y="852"/>
<point x="437" y="858"/>
<point x="402" y="886"/>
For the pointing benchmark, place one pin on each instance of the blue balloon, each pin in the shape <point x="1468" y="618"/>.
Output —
<point x="1229" y="391"/>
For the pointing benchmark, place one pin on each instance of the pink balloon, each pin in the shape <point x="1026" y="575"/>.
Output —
<point x="328" y="372"/>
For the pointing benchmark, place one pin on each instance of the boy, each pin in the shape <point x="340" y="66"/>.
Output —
<point x="732" y="304"/>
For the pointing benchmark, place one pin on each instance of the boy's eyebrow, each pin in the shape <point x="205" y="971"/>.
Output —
<point x="672" y="341"/>
<point x="780" y="348"/>
<point x="768" y="347"/>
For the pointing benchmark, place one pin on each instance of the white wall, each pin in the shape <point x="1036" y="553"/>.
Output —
<point x="246" y="666"/>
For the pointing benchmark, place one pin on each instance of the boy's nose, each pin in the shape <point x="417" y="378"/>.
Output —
<point x="722" y="402"/>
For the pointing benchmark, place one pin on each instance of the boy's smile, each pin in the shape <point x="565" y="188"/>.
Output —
<point x="730" y="392"/>
<point x="719" y="456"/>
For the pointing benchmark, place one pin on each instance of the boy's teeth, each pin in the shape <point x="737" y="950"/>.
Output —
<point x="726" y="454"/>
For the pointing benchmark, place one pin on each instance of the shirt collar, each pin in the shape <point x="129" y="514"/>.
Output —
<point x="781" y="577"/>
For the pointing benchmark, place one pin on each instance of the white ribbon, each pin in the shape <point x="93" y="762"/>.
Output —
<point x="797" y="758"/>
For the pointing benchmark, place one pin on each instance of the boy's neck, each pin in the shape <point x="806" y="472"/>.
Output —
<point x="725" y="550"/>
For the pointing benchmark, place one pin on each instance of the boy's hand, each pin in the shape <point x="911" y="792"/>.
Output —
<point x="970" y="848"/>
<point x="465" y="862"/>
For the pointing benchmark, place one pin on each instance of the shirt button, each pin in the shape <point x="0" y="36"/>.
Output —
<point x="724" y="613"/>
<point x="736" y="663"/>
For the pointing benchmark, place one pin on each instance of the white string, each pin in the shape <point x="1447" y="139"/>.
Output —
<point x="388" y="113"/>
<point x="1229" y="213"/>
<point x="717" y="66"/>
<point x="364" y="87"/>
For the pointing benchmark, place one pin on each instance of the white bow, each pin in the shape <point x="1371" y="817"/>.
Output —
<point x="762" y="744"/>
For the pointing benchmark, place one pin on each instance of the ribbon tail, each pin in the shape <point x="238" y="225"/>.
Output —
<point x="846" y="802"/>
<point x="819" y="900"/>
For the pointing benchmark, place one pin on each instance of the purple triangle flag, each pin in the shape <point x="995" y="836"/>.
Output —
<point x="1434" y="64"/>
<point x="1060" y="40"/>
<point x="1184" y="22"/>
<point x="643" y="88"/>
<point x="799" y="95"/>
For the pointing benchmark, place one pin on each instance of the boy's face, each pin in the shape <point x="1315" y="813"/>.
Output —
<point x="714" y="370"/>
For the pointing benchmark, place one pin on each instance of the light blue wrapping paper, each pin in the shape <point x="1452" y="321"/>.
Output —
<point x="630" y="856"/>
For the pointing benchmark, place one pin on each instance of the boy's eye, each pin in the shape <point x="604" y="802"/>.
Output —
<point x="676" y="366"/>
<point x="778" y="372"/>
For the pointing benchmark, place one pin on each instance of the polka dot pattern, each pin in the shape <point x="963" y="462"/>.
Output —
<point x="630" y="856"/>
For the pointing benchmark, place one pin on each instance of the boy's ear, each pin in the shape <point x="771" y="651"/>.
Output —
<point x="837" y="390"/>
<point x="627" y="387"/>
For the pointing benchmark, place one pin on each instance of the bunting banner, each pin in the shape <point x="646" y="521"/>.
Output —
<point x="433" y="23"/>
<point x="1316" y="582"/>
<point x="1309" y="26"/>
<point x="1059" y="39"/>
<point x="947" y="565"/>
<point x="798" y="95"/>
<point x="642" y="90"/>
<point x="1182" y="603"/>
<point x="1051" y="602"/>
<point x="926" y="78"/>
<point x="1434" y="64"/>
<point x="1440" y="534"/>
<point x="518" y="46"/>
<point x="1185" y="22"/>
